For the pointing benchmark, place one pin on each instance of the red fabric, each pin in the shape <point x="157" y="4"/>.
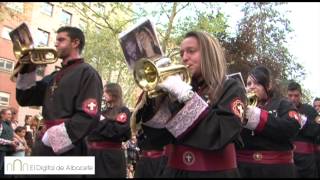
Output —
<point x="193" y="159"/>
<point x="152" y="153"/>
<point x="104" y="145"/>
<point x="303" y="147"/>
<point x="265" y="157"/>
<point x="263" y="121"/>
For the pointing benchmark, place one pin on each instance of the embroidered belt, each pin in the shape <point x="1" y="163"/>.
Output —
<point x="194" y="159"/>
<point x="303" y="147"/>
<point x="99" y="145"/>
<point x="265" y="157"/>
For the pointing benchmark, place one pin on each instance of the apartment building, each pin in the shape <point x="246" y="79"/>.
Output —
<point x="43" y="19"/>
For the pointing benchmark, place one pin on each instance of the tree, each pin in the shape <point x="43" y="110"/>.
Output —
<point x="261" y="39"/>
<point x="104" y="22"/>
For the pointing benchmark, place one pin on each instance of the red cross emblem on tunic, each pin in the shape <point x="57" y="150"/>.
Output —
<point x="237" y="107"/>
<point x="188" y="158"/>
<point x="122" y="117"/>
<point x="90" y="106"/>
<point x="295" y="115"/>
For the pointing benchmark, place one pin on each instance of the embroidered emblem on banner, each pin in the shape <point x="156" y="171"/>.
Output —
<point x="237" y="107"/>
<point x="90" y="106"/>
<point x="188" y="158"/>
<point x="295" y="115"/>
<point x="122" y="117"/>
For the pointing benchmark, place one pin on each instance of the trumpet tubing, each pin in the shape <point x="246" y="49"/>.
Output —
<point x="147" y="75"/>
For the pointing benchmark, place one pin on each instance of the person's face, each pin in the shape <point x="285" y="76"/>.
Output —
<point x="7" y="115"/>
<point x="295" y="97"/>
<point x="191" y="55"/>
<point x="29" y="120"/>
<point x="22" y="133"/>
<point x="146" y="43"/>
<point x="107" y="96"/>
<point x="316" y="105"/>
<point x="64" y="45"/>
<point x="255" y="87"/>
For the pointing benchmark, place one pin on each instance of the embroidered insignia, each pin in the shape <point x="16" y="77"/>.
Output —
<point x="257" y="156"/>
<point x="90" y="106"/>
<point x="295" y="115"/>
<point x="121" y="117"/>
<point x="237" y="107"/>
<point x="188" y="158"/>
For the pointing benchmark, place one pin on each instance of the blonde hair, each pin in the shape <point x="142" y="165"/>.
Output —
<point x="213" y="63"/>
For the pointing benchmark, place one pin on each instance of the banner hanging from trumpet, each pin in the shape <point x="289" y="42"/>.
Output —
<point x="139" y="42"/>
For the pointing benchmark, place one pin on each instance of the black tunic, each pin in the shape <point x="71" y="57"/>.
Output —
<point x="306" y="162"/>
<point x="275" y="135"/>
<point x="217" y="125"/>
<point x="76" y="99"/>
<point x="109" y="162"/>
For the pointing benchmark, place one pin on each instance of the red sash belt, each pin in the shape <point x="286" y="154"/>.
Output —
<point x="265" y="157"/>
<point x="303" y="147"/>
<point x="317" y="148"/>
<point x="194" y="159"/>
<point x="152" y="153"/>
<point x="48" y="124"/>
<point x="104" y="145"/>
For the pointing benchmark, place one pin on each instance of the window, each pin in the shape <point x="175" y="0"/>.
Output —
<point x="6" y="65"/>
<point x="5" y="32"/>
<point x="65" y="17"/>
<point x="42" y="38"/>
<point x="16" y="6"/>
<point x="47" y="8"/>
<point x="4" y="99"/>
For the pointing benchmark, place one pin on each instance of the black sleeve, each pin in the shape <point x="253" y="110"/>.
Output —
<point x="283" y="124"/>
<point x="84" y="119"/>
<point x="116" y="129"/>
<point x="310" y="129"/>
<point x="223" y="122"/>
<point x="34" y="96"/>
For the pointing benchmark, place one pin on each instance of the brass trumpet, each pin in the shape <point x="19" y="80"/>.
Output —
<point x="25" y="52"/>
<point x="147" y="75"/>
<point x="252" y="99"/>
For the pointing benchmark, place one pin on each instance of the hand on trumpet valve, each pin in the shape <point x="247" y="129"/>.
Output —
<point x="177" y="87"/>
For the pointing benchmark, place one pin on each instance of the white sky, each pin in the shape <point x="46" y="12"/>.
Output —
<point x="305" y="44"/>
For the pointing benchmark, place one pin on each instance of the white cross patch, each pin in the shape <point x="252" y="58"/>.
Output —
<point x="91" y="106"/>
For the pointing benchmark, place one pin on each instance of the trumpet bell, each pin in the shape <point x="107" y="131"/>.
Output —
<point x="147" y="75"/>
<point x="252" y="99"/>
<point x="24" y="51"/>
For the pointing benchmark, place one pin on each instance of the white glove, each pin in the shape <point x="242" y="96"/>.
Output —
<point x="45" y="139"/>
<point x="253" y="116"/>
<point x="177" y="87"/>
